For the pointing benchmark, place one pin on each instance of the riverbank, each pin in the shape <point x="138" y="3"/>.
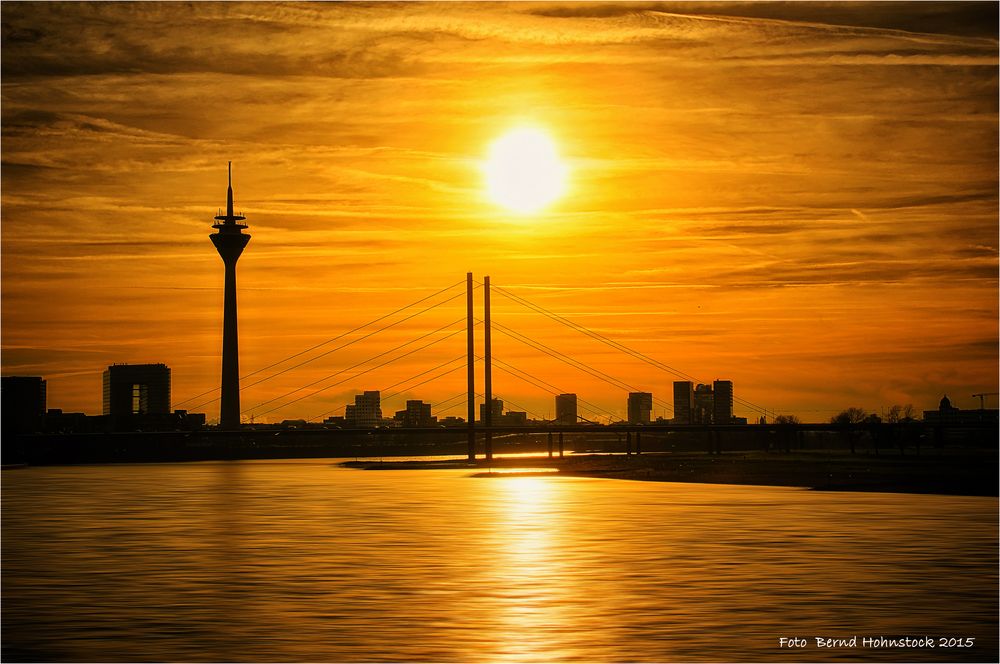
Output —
<point x="972" y="473"/>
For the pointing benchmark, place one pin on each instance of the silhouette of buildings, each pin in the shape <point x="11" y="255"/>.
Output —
<point x="496" y="413"/>
<point x="513" y="418"/>
<point x="417" y="414"/>
<point x="136" y="397"/>
<point x="366" y="411"/>
<point x="498" y="418"/>
<point x="566" y="409"/>
<point x="683" y="402"/>
<point x="948" y="414"/>
<point x="722" y="402"/>
<point x="136" y="389"/>
<point x="23" y="403"/>
<point x="230" y="241"/>
<point x="704" y="404"/>
<point x="710" y="404"/>
<point x="640" y="406"/>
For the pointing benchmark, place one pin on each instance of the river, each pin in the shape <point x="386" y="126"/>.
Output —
<point x="307" y="561"/>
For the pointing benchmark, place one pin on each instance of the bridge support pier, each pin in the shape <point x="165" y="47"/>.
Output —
<point x="714" y="445"/>
<point x="560" y="446"/>
<point x="628" y="443"/>
<point x="550" y="444"/>
<point x="487" y="369"/>
<point x="469" y="324"/>
<point x="638" y="443"/>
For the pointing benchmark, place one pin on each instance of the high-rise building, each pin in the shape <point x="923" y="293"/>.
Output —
<point x="722" y="402"/>
<point x="23" y="403"/>
<point x="496" y="414"/>
<point x="683" y="402"/>
<point x="230" y="241"/>
<point x="640" y="406"/>
<point x="136" y="389"/>
<point x="366" y="412"/>
<point x="566" y="409"/>
<point x="704" y="405"/>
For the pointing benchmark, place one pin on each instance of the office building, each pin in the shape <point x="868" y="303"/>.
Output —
<point x="366" y="413"/>
<point x="23" y="403"/>
<point x="640" y="406"/>
<point x="704" y="405"/>
<point x="136" y="389"/>
<point x="566" y="409"/>
<point x="514" y="418"/>
<point x="722" y="402"/>
<point x="417" y="414"/>
<point x="497" y="413"/>
<point x="683" y="402"/>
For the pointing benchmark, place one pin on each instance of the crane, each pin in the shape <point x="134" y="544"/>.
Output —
<point x="982" y="396"/>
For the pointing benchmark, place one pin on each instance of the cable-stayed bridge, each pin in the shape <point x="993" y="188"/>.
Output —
<point x="476" y="298"/>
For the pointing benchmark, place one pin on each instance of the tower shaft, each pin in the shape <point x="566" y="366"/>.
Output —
<point x="230" y="241"/>
<point x="229" y="411"/>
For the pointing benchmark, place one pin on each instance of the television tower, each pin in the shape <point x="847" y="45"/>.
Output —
<point x="230" y="241"/>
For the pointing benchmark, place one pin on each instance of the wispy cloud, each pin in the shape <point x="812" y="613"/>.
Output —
<point x="753" y="184"/>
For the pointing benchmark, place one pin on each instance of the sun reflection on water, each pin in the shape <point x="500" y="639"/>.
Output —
<point x="529" y="576"/>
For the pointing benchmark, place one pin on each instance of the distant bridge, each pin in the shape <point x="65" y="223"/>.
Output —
<point x="908" y="438"/>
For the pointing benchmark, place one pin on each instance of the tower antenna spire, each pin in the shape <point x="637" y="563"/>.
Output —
<point x="230" y="217"/>
<point x="229" y="194"/>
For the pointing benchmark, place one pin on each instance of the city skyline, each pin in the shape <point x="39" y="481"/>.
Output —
<point x="831" y="245"/>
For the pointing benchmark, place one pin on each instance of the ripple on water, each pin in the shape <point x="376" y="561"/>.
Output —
<point x="303" y="560"/>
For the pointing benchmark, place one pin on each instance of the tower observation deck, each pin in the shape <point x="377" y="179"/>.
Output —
<point x="230" y="240"/>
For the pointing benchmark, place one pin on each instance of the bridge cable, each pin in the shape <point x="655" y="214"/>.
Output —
<point x="597" y="373"/>
<point x="611" y="342"/>
<point x="360" y="373"/>
<point x="406" y="380"/>
<point x="333" y="350"/>
<point x="331" y="340"/>
<point x="538" y="382"/>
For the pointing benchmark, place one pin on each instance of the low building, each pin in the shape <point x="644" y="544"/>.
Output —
<point x="513" y="418"/>
<point x="417" y="414"/>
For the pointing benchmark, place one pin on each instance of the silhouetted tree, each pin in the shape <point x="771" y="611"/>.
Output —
<point x="850" y="416"/>
<point x="787" y="419"/>
<point x="897" y="413"/>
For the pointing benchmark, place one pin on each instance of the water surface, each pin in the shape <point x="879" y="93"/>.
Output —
<point x="304" y="560"/>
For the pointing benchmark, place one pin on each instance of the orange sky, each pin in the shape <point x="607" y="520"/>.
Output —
<point x="802" y="199"/>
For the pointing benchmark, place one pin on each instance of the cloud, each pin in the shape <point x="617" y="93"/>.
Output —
<point x="742" y="169"/>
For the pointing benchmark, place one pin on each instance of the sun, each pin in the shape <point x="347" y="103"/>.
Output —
<point x="523" y="171"/>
